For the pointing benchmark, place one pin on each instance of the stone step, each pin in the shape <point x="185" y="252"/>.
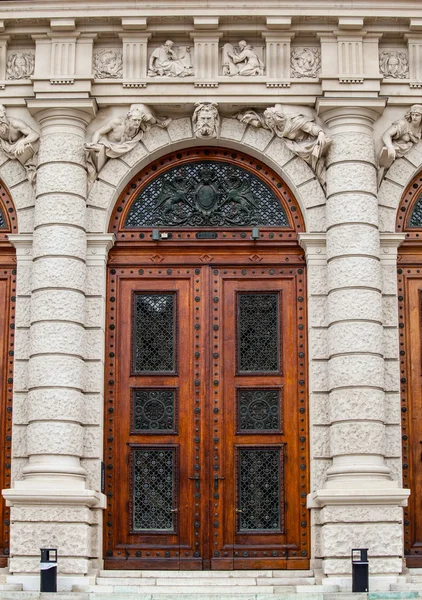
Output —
<point x="10" y="587"/>
<point x="199" y="574"/>
<point x="406" y="587"/>
<point x="204" y="581"/>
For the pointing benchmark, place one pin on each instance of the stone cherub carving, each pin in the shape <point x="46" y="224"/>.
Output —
<point x="301" y="135"/>
<point x="206" y="120"/>
<point x="400" y="137"/>
<point x="242" y="61"/>
<point x="20" y="65"/>
<point x="394" y="64"/>
<point x="19" y="141"/>
<point x="120" y="135"/>
<point x="165" y="61"/>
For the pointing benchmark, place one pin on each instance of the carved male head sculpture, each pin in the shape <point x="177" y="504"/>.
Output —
<point x="206" y="120"/>
<point x="414" y="114"/>
<point x="274" y="117"/>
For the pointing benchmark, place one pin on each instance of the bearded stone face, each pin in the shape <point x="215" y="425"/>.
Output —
<point x="206" y="123"/>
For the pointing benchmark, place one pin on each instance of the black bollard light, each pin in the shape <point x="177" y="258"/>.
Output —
<point x="48" y="570"/>
<point x="360" y="570"/>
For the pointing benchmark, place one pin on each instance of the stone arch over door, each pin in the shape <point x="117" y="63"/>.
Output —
<point x="8" y="226"/>
<point x="206" y="276"/>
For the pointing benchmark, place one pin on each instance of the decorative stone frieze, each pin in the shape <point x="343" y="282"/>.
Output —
<point x="394" y="64"/>
<point x="167" y="61"/>
<point x="19" y="142"/>
<point x="20" y="65"/>
<point x="108" y="63"/>
<point x="400" y="138"/>
<point x="242" y="60"/>
<point x="305" y="62"/>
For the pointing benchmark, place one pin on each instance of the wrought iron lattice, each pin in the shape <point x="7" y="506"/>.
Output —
<point x="258" y="333"/>
<point x="154" y="472"/>
<point x="416" y="216"/>
<point x="259" y="489"/>
<point x="258" y="410"/>
<point x="154" y="411"/>
<point x="154" y="333"/>
<point x="3" y="223"/>
<point x="206" y="193"/>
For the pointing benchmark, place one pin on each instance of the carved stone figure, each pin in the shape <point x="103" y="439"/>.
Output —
<point x="394" y="64"/>
<point x="166" y="61"/>
<point x="301" y="135"/>
<point x="400" y="138"/>
<point x="206" y="120"/>
<point x="18" y="141"/>
<point x="20" y="65"/>
<point x="243" y="60"/>
<point x="119" y="136"/>
<point x="108" y="64"/>
<point x="305" y="62"/>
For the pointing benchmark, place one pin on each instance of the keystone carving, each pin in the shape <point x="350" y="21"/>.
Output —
<point x="170" y="61"/>
<point x="108" y="64"/>
<point x="119" y="136"/>
<point x="206" y="120"/>
<point x="301" y="135"/>
<point x="20" y="65"/>
<point x="305" y="62"/>
<point x="400" y="138"/>
<point x="243" y="60"/>
<point x="394" y="64"/>
<point x="18" y="142"/>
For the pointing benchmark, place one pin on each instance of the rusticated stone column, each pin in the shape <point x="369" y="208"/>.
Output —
<point x="54" y="476"/>
<point x="358" y="474"/>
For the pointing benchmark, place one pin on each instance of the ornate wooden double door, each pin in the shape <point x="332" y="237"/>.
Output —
<point x="206" y="425"/>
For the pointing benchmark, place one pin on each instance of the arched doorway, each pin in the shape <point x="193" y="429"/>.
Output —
<point x="206" y="383"/>
<point x="409" y="221"/>
<point x="8" y="224"/>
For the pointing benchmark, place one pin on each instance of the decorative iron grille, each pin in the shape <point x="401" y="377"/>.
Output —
<point x="154" y="333"/>
<point x="259" y="489"/>
<point x="206" y="193"/>
<point x="416" y="216"/>
<point x="3" y="223"/>
<point x="258" y="333"/>
<point x="154" y="473"/>
<point x="258" y="411"/>
<point x="154" y="411"/>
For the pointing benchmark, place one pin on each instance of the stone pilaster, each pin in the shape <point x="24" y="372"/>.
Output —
<point x="359" y="473"/>
<point x="54" y="476"/>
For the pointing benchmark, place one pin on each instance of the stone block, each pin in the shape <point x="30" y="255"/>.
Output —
<point x="361" y="514"/>
<point x="318" y="344"/>
<point x="21" y="344"/>
<point x="382" y="539"/>
<point x="19" y="442"/>
<point x="101" y="194"/>
<point x="392" y="408"/>
<point x="257" y="138"/>
<point x="53" y="370"/>
<point x="401" y="171"/>
<point x="351" y="146"/>
<point x="26" y="220"/>
<point x="346" y="239"/>
<point x="134" y="156"/>
<point x="342" y="566"/>
<point x="415" y="155"/>
<point x="356" y="370"/>
<point x="113" y="171"/>
<point x="279" y="153"/>
<point x="352" y="336"/>
<point x="393" y="441"/>
<point x="93" y="344"/>
<point x="95" y="220"/>
<point x="317" y="279"/>
<point x="319" y="408"/>
<point x="20" y="408"/>
<point x="92" y="467"/>
<point x="20" y="375"/>
<point x="395" y="466"/>
<point x="23" y="311"/>
<point x="26" y="564"/>
<point x="315" y="219"/>
<point x="319" y="468"/>
<point x="320" y="444"/>
<point x="232" y="129"/>
<point x="60" y="208"/>
<point x="351" y="177"/>
<point x="354" y="271"/>
<point x="319" y="375"/>
<point x="298" y="171"/>
<point x="390" y="194"/>
<point x="12" y="173"/>
<point x="23" y="195"/>
<point x="180" y="129"/>
<point x="392" y="375"/>
<point x="357" y="437"/>
<point x="312" y="194"/>
<point x="352" y="207"/>
<point x="63" y="147"/>
<point x="94" y="376"/>
<point x="95" y="281"/>
<point x="70" y="539"/>
<point x="364" y="403"/>
<point x="94" y="311"/>
<point x="389" y="279"/>
<point x="52" y="337"/>
<point x="92" y="409"/>
<point x="56" y="404"/>
<point x="54" y="437"/>
<point x="55" y="178"/>
<point x="92" y="442"/>
<point x="155" y="138"/>
<point x="49" y="512"/>
<point x="390" y="311"/>
<point x="317" y="311"/>
<point x="387" y="219"/>
<point x="18" y="465"/>
<point x="58" y="305"/>
<point x="390" y="342"/>
<point x="58" y="272"/>
<point x="61" y="240"/>
<point x="357" y="304"/>
<point x="23" y="287"/>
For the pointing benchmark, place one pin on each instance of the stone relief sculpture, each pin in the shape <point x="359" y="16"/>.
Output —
<point x="305" y="62"/>
<point x="394" y="64"/>
<point x="119" y="136"/>
<point x="170" y="62"/>
<point x="20" y="65"/>
<point x="400" y="138"/>
<point x="108" y="64"/>
<point x="243" y="60"/>
<point x="206" y="120"/>
<point x="19" y="142"/>
<point x="300" y="133"/>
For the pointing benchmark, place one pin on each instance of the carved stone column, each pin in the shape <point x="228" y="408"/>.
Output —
<point x="54" y="476"/>
<point x="356" y="377"/>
